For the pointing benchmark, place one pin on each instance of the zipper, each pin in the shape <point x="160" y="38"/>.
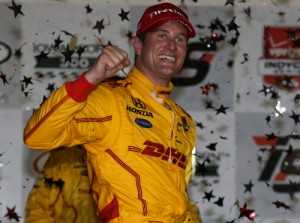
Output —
<point x="174" y="169"/>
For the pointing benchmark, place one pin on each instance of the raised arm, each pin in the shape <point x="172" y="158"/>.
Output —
<point x="54" y="123"/>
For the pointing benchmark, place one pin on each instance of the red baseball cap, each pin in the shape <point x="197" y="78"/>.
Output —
<point x="161" y="13"/>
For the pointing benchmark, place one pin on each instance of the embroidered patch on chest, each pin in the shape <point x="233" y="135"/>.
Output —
<point x="143" y="123"/>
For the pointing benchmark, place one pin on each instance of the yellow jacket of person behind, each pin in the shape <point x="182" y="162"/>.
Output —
<point x="138" y="142"/>
<point x="62" y="192"/>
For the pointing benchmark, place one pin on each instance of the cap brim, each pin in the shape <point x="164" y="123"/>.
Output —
<point x="187" y="25"/>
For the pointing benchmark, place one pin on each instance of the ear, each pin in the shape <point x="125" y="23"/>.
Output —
<point x="137" y="45"/>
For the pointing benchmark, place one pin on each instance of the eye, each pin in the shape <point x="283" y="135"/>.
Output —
<point x="162" y="36"/>
<point x="181" y="40"/>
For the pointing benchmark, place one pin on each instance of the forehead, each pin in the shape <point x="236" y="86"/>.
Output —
<point x="172" y="25"/>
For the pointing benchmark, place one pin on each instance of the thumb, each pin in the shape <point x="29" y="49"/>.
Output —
<point x="126" y="62"/>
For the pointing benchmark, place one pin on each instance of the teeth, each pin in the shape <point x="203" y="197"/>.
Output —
<point x="165" y="57"/>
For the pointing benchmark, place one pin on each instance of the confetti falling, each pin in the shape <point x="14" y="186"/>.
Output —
<point x="221" y="31"/>
<point x="11" y="214"/>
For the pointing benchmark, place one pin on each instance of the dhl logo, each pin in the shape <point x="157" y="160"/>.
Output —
<point x="158" y="150"/>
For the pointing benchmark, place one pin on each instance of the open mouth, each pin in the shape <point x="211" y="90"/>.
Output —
<point x="167" y="58"/>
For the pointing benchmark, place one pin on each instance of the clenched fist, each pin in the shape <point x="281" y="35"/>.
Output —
<point x="111" y="60"/>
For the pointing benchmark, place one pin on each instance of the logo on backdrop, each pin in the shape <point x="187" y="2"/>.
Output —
<point x="281" y="57"/>
<point x="5" y="52"/>
<point x="55" y="64"/>
<point x="200" y="65"/>
<point x="281" y="162"/>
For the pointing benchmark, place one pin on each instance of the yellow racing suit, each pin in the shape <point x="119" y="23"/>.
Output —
<point x="139" y="145"/>
<point x="62" y="192"/>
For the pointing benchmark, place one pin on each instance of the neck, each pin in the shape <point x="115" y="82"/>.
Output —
<point x="153" y="77"/>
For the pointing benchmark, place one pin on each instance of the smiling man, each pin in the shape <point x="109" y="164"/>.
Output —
<point x="139" y="142"/>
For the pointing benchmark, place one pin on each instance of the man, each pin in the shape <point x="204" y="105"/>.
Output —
<point x="62" y="192"/>
<point x="138" y="141"/>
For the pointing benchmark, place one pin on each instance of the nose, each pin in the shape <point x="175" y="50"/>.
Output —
<point x="172" y="44"/>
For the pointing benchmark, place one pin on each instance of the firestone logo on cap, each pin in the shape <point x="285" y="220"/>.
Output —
<point x="158" y="12"/>
<point x="163" y="12"/>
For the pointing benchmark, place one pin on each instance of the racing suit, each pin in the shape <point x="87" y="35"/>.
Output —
<point x="138" y="141"/>
<point x="62" y="192"/>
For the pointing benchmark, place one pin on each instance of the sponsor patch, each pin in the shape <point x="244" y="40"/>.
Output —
<point x="84" y="173"/>
<point x="143" y="123"/>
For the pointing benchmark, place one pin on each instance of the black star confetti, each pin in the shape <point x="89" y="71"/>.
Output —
<point x="295" y="117"/>
<point x="51" y="87"/>
<point x="88" y="9"/>
<point x="291" y="33"/>
<point x="296" y="98"/>
<point x="16" y="8"/>
<point x="281" y="13"/>
<point x="209" y="195"/>
<point x="200" y="26"/>
<point x="57" y="42"/>
<point x="271" y="136"/>
<point x="27" y="81"/>
<point x="81" y="50"/>
<point x="43" y="100"/>
<point x="200" y="125"/>
<point x="201" y="168"/>
<point x="248" y="11"/>
<point x="212" y="146"/>
<point x="233" y="41"/>
<point x="26" y="92"/>
<point x="129" y="35"/>
<point x="41" y="56"/>
<point x="124" y="15"/>
<point x="68" y="54"/>
<point x="232" y="25"/>
<point x="3" y="78"/>
<point x="290" y="150"/>
<point x="294" y="187"/>
<point x="246" y="56"/>
<point x="221" y="109"/>
<point x="208" y="105"/>
<point x="274" y="95"/>
<point x="108" y="44"/>
<point x="219" y="33"/>
<point x="287" y="82"/>
<point x="99" y="26"/>
<point x="219" y="202"/>
<point x="248" y="187"/>
<point x="268" y="119"/>
<point x="11" y="214"/>
<point x="217" y="24"/>
<point x="280" y="204"/>
<point x="18" y="52"/>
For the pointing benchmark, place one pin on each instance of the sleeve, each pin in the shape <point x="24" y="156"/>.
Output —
<point x="54" y="125"/>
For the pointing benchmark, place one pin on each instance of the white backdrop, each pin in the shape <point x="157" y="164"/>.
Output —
<point x="239" y="133"/>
